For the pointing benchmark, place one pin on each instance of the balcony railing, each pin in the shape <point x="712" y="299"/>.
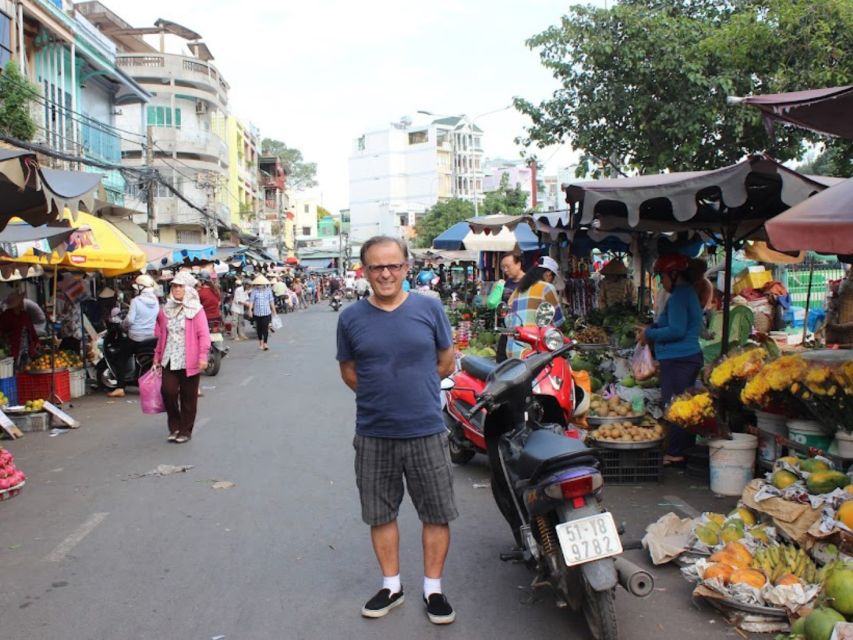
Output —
<point x="141" y="61"/>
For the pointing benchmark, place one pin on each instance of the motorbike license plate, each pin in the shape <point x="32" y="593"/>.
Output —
<point x="216" y="337"/>
<point x="589" y="539"/>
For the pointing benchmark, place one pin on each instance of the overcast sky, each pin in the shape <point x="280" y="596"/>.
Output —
<point x="318" y="73"/>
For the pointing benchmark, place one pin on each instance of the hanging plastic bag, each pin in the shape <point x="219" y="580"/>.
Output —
<point x="276" y="323"/>
<point x="150" y="395"/>
<point x="496" y="295"/>
<point x="643" y="365"/>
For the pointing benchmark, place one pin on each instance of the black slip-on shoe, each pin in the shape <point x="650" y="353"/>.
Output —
<point x="380" y="604"/>
<point x="438" y="609"/>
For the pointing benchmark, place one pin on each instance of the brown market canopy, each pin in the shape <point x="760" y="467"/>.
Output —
<point x="828" y="111"/>
<point x="39" y="195"/>
<point x="823" y="223"/>
<point x="737" y="199"/>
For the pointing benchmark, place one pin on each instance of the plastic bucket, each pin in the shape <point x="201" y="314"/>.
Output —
<point x="732" y="463"/>
<point x="809" y="433"/>
<point x="845" y="444"/>
<point x="769" y="426"/>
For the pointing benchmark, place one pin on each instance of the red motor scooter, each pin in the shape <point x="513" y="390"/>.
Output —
<point x="556" y="397"/>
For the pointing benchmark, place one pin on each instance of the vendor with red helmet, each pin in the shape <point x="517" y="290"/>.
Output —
<point x="675" y="336"/>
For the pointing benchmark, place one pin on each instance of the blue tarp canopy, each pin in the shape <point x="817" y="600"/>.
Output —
<point x="460" y="235"/>
<point x="199" y="252"/>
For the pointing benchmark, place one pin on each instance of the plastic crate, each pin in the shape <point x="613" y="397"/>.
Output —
<point x="28" y="422"/>
<point x="627" y="466"/>
<point x="9" y="387"/>
<point x="36" y="386"/>
<point x="7" y="368"/>
<point x="77" y="382"/>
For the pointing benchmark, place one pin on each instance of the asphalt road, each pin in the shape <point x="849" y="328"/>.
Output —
<point x="92" y="551"/>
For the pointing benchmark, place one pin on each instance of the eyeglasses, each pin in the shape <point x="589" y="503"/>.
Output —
<point x="392" y="268"/>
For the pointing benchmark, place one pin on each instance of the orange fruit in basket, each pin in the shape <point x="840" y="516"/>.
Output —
<point x="719" y="571"/>
<point x="845" y="513"/>
<point x="752" y="577"/>
<point x="787" y="580"/>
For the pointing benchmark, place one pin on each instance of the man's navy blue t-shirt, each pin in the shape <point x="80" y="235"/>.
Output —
<point x="396" y="356"/>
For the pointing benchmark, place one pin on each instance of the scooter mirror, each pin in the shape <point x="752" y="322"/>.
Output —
<point x="447" y="384"/>
<point x="545" y="314"/>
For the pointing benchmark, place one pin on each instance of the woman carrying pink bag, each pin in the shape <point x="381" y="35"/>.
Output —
<point x="183" y="342"/>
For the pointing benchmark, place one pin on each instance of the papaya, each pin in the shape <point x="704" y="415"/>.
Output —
<point x="783" y="479"/>
<point x="760" y="534"/>
<point x="849" y="488"/>
<point x="752" y="577"/>
<point x="718" y="571"/>
<point x="740" y="552"/>
<point x="745" y="515"/>
<point x="813" y="465"/>
<point x="820" y="623"/>
<point x="731" y="533"/>
<point x="826" y="481"/>
<point x="839" y="589"/>
<point x="708" y="536"/>
<point x="787" y="580"/>
<point x="719" y="518"/>
<point x="845" y="514"/>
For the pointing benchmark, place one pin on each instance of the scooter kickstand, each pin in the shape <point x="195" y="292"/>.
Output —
<point x="516" y="555"/>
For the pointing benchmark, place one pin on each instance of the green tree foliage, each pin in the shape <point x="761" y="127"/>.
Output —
<point x="322" y="212"/>
<point x="300" y="174"/>
<point x="440" y="218"/>
<point x="511" y="202"/>
<point x="835" y="161"/>
<point x="16" y="93"/>
<point x="643" y="85"/>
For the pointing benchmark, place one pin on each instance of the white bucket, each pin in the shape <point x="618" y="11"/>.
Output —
<point x="732" y="463"/>
<point x="809" y="433"/>
<point x="845" y="444"/>
<point x="769" y="426"/>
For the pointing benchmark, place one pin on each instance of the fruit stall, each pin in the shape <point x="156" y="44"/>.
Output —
<point x="781" y="562"/>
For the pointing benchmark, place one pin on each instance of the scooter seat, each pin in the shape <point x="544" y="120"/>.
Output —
<point x="478" y="367"/>
<point x="546" y="451"/>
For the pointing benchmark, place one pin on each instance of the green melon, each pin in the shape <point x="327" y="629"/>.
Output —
<point x="839" y="590"/>
<point x="820" y="623"/>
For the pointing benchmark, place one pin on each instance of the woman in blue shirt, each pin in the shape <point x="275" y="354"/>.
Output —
<point x="675" y="336"/>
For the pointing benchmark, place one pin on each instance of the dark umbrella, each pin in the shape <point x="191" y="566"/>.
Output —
<point x="822" y="110"/>
<point x="39" y="195"/>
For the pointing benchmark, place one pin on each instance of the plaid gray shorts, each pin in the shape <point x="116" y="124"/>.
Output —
<point x="381" y="464"/>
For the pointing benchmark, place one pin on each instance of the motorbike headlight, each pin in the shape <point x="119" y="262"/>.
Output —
<point x="553" y="339"/>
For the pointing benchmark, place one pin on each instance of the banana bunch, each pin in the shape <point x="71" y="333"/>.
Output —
<point x="780" y="560"/>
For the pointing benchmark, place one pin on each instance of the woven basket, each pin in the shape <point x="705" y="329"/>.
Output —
<point x="841" y="334"/>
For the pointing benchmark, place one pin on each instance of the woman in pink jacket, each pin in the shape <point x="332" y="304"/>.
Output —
<point x="183" y="342"/>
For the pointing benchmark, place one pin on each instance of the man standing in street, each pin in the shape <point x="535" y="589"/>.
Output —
<point x="393" y="350"/>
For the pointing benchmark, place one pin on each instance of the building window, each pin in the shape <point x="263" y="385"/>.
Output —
<point x="162" y="117"/>
<point x="404" y="219"/>
<point x="5" y="39"/>
<point x="306" y="231"/>
<point x="418" y="137"/>
<point x="187" y="236"/>
<point x="360" y="143"/>
<point x="307" y="208"/>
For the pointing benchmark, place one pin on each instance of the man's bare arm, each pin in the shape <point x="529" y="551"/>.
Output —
<point x="348" y="374"/>
<point x="446" y="362"/>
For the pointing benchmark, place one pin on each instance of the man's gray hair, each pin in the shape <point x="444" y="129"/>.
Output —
<point x="404" y="248"/>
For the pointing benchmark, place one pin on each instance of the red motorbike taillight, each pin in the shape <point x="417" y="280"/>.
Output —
<point x="573" y="488"/>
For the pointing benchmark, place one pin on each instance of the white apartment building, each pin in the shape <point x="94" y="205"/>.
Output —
<point x="397" y="173"/>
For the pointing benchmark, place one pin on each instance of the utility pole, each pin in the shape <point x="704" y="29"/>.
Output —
<point x="149" y="191"/>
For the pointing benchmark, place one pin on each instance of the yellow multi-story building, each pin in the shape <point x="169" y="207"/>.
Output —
<point x="243" y="192"/>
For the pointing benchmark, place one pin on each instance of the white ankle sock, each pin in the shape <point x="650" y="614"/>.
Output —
<point x="392" y="583"/>
<point x="431" y="585"/>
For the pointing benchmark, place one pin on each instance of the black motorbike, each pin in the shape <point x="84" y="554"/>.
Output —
<point x="218" y="349"/>
<point x="549" y="489"/>
<point x="336" y="301"/>
<point x="123" y="360"/>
